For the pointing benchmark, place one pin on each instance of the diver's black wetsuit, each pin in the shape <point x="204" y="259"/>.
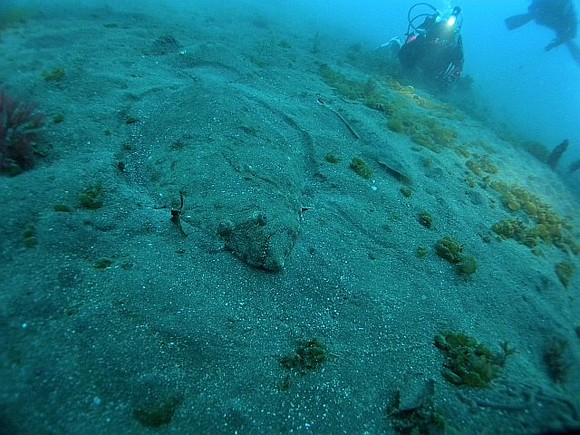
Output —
<point x="435" y="52"/>
<point x="559" y="15"/>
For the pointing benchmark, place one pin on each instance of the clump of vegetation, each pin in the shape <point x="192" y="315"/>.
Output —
<point x="12" y="16"/>
<point x="332" y="158"/>
<point x="426" y="219"/>
<point x="451" y="250"/>
<point x="361" y="167"/>
<point x="20" y="128"/>
<point x="62" y="208"/>
<point x="92" y="197"/>
<point x="517" y="230"/>
<point x="407" y="113"/>
<point x="467" y="265"/>
<point x="130" y="120"/>
<point x="58" y="118"/>
<point x="29" y="238"/>
<point x="349" y="88"/>
<point x="158" y="412"/>
<point x="467" y="362"/>
<point x="103" y="263"/>
<point x="421" y="252"/>
<point x="422" y="129"/>
<point x="556" y="359"/>
<point x="546" y="225"/>
<point x="309" y="355"/>
<point x="54" y="75"/>
<point x="481" y="165"/>
<point x="417" y="418"/>
<point x="406" y="191"/>
<point x="565" y="272"/>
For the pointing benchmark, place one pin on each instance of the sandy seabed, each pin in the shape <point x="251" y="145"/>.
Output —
<point x="142" y="314"/>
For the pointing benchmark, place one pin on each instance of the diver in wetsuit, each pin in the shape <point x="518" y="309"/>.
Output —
<point x="434" y="49"/>
<point x="558" y="15"/>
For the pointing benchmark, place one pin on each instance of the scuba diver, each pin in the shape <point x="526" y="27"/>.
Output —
<point x="558" y="15"/>
<point x="433" y="50"/>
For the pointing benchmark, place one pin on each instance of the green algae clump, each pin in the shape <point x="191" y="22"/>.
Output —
<point x="467" y="265"/>
<point x="332" y="158"/>
<point x="565" y="272"/>
<point x="418" y="415"/>
<point x="421" y="252"/>
<point x="309" y="355"/>
<point x="449" y="249"/>
<point x="54" y="75"/>
<point x="426" y="219"/>
<point x="92" y="197"/>
<point x="557" y="359"/>
<point x="362" y="169"/>
<point x="157" y="413"/>
<point x="481" y="165"/>
<point x="544" y="225"/>
<point x="468" y="362"/>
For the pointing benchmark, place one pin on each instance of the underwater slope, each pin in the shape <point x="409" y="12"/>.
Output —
<point x="269" y="234"/>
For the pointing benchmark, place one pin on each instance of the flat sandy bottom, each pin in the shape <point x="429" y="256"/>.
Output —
<point x="113" y="321"/>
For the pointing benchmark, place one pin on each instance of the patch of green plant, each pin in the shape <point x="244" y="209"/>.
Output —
<point x="399" y="125"/>
<point x="92" y="197"/>
<point x="309" y="355"/>
<point x="515" y="229"/>
<point x="406" y="191"/>
<point x="349" y="88"/>
<point x="130" y="120"/>
<point x="406" y="112"/>
<point x="421" y="252"/>
<point x="451" y="250"/>
<point x="58" y="118"/>
<point x="424" y="130"/>
<point x="556" y="359"/>
<point x="29" y="236"/>
<point x="62" y="208"/>
<point x="481" y="165"/>
<point x="565" y="272"/>
<point x="12" y="16"/>
<point x="426" y="219"/>
<point x="361" y="168"/>
<point x="417" y="418"/>
<point x="54" y="75"/>
<point x="157" y="413"/>
<point x="103" y="263"/>
<point x="332" y="158"/>
<point x="547" y="226"/>
<point x="467" y="265"/>
<point x="284" y="44"/>
<point x="467" y="362"/>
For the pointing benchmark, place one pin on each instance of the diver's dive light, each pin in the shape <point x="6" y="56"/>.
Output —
<point x="453" y="17"/>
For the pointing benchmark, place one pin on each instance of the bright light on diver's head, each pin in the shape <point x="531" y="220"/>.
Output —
<point x="452" y="20"/>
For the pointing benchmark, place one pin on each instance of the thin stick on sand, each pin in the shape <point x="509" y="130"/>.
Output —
<point x="344" y="121"/>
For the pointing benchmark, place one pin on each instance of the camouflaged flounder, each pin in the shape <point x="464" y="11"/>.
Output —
<point x="260" y="241"/>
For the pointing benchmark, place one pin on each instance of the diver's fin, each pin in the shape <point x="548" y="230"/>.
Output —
<point x="518" y="21"/>
<point x="574" y="51"/>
